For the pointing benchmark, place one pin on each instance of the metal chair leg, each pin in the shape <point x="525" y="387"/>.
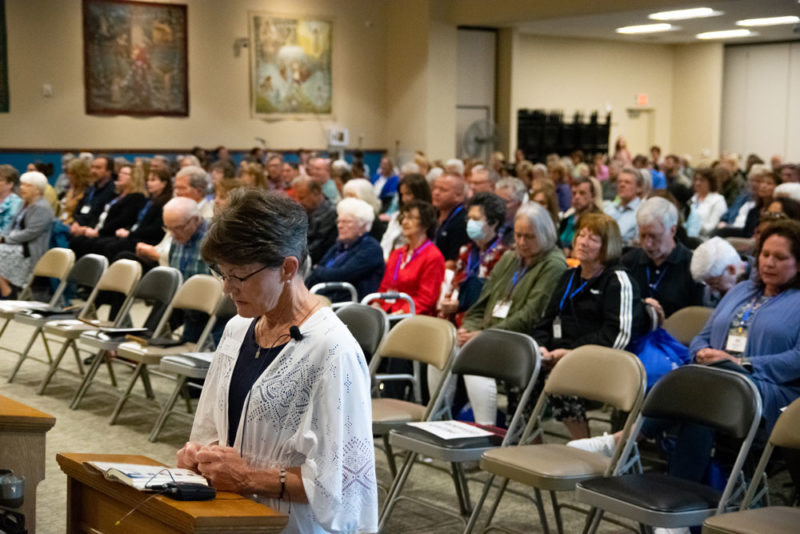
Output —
<point x="87" y="380"/>
<point x="593" y="521"/>
<point x="395" y="489"/>
<point x="109" y="364"/>
<point x="126" y="394"/>
<point x="540" y="508"/>
<point x="24" y="354"/>
<point x="496" y="502"/>
<point x="462" y="491"/>
<point x="557" y="513"/>
<point x="53" y="367"/>
<point x="476" y="511"/>
<point x="78" y="358"/>
<point x="166" y="410"/>
<point x="148" y="388"/>
<point x="389" y="455"/>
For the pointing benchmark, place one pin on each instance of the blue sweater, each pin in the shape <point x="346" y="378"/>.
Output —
<point x="361" y="264"/>
<point x="773" y="343"/>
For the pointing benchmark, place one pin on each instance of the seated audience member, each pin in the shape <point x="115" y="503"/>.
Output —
<point x="121" y="212"/>
<point x="218" y="171"/>
<point x="755" y="324"/>
<point x="9" y="200"/>
<point x="449" y="192"/>
<point x="630" y="186"/>
<point x="252" y="175"/>
<point x="678" y="184"/>
<point x="28" y="237"/>
<point x="341" y="174"/>
<point x="730" y="185"/>
<point x="192" y="182"/>
<point x="543" y="193"/>
<point x="274" y="166"/>
<point x="514" y="193"/>
<point x="321" y="215"/>
<point x="222" y="192"/>
<point x="361" y="189"/>
<point x="485" y="213"/>
<point x="706" y="205"/>
<point x="412" y="187"/>
<point x="356" y="257"/>
<point x="385" y="183"/>
<point x="583" y="203"/>
<point x="149" y="224"/>
<point x="94" y="201"/>
<point x="417" y="268"/>
<point x="596" y="303"/>
<point x="660" y="265"/>
<point x="734" y="220"/>
<point x="50" y="194"/>
<point x="788" y="190"/>
<point x="560" y="176"/>
<point x="519" y="287"/>
<point x="188" y="161"/>
<point x="621" y="152"/>
<point x="481" y="180"/>
<point x="716" y="264"/>
<point x="78" y="182"/>
<point x="610" y="185"/>
<point x="763" y="198"/>
<point x="783" y="205"/>
<point x="600" y="169"/>
<point x="790" y="173"/>
<point x="514" y="297"/>
<point x="320" y="172"/>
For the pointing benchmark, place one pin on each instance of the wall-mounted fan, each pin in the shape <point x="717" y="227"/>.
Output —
<point x="480" y="140"/>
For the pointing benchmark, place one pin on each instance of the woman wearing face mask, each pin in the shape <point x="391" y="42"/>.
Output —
<point x="485" y="213"/>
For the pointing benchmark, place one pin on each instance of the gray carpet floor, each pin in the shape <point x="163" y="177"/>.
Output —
<point x="87" y="430"/>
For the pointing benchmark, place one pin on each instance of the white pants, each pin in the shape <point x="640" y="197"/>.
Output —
<point x="481" y="391"/>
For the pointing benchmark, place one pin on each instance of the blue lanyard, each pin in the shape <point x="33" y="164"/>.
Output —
<point x="142" y="212"/>
<point x="475" y="254"/>
<point x="654" y="287"/>
<point x="567" y="293"/>
<point x="334" y="260"/>
<point x="400" y="260"/>
<point x="518" y="274"/>
<point x="754" y="306"/>
<point x="452" y="214"/>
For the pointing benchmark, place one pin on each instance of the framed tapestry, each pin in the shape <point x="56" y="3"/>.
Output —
<point x="135" y="58"/>
<point x="3" y="60"/>
<point x="290" y="66"/>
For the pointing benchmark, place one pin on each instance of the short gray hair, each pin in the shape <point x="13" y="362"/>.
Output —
<point x="187" y="207"/>
<point x="193" y="161"/>
<point x="363" y="190"/>
<point x="359" y="209"/>
<point x="409" y="167"/>
<point x="516" y="185"/>
<point x="197" y="177"/>
<point x="657" y="209"/>
<point x="711" y="259"/>
<point x="788" y="190"/>
<point x="454" y="165"/>
<point x="636" y="173"/>
<point x="538" y="217"/>
<point x="36" y="179"/>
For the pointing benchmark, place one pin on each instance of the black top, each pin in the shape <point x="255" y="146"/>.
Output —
<point x="122" y="213"/>
<point x="670" y="283"/>
<point x="93" y="203"/>
<point x="606" y="311"/>
<point x="149" y="225"/>
<point x="322" y="230"/>
<point x="251" y="364"/>
<point x="452" y="233"/>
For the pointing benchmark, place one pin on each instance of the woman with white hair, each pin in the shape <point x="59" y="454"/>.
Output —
<point x="29" y="236"/>
<point x="716" y="264"/>
<point x="363" y="190"/>
<point x="356" y="257"/>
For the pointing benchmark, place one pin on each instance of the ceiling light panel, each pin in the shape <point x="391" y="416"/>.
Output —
<point x="726" y="34"/>
<point x="646" y="28"/>
<point x="769" y="21"/>
<point x="685" y="14"/>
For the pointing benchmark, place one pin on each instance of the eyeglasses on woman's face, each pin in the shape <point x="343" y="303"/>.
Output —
<point x="217" y="273"/>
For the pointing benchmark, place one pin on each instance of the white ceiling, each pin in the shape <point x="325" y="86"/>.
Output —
<point x="602" y="26"/>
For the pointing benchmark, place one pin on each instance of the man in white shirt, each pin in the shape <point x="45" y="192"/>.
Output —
<point x="630" y="186"/>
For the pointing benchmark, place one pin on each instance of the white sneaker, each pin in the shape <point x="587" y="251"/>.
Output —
<point x="600" y="444"/>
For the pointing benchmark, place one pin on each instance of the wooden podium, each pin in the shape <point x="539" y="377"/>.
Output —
<point x="95" y="505"/>
<point x="22" y="448"/>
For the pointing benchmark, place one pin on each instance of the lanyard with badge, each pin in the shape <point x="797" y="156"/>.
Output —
<point x="503" y="306"/>
<point x="87" y="206"/>
<point x="653" y="287"/>
<point x="398" y="266"/>
<point x="475" y="258"/>
<point x="557" y="334"/>
<point x="737" y="335"/>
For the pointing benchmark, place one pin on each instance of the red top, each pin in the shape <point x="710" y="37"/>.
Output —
<point x="421" y="278"/>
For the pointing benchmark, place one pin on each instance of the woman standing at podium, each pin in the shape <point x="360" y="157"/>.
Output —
<point x="285" y="413"/>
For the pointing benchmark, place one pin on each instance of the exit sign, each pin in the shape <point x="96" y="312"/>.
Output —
<point x="641" y="99"/>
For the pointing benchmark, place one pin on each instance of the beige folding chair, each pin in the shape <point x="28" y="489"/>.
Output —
<point x="200" y="293"/>
<point x="772" y="519"/>
<point x="86" y="272"/>
<point x="121" y="277"/>
<point x="591" y="372"/>
<point x="422" y="339"/>
<point x="687" y="322"/>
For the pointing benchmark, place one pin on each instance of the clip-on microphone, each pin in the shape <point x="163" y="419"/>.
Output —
<point x="295" y="333"/>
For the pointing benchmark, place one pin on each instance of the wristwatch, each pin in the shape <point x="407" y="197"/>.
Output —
<point x="746" y="363"/>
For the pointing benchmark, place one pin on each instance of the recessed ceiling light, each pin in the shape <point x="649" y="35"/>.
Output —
<point x="725" y="34"/>
<point x="646" y="28"/>
<point x="769" y="21"/>
<point x="683" y="14"/>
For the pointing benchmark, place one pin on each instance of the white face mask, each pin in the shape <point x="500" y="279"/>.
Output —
<point x="475" y="230"/>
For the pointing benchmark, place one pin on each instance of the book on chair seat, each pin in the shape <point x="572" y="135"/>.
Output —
<point x="146" y="477"/>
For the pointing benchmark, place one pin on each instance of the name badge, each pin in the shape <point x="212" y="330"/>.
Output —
<point x="86" y="209"/>
<point x="557" y="328"/>
<point x="737" y="340"/>
<point x="501" y="309"/>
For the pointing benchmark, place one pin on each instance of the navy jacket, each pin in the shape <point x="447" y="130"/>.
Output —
<point x="361" y="264"/>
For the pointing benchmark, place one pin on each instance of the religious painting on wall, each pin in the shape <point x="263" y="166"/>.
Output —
<point x="135" y="58"/>
<point x="3" y="60"/>
<point x="290" y="66"/>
